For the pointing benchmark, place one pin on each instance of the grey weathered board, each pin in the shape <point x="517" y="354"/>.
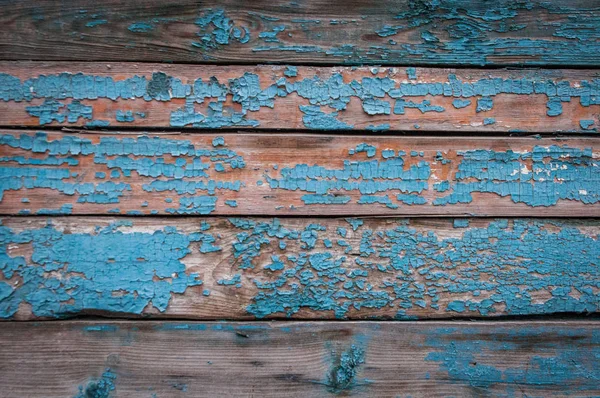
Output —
<point x="303" y="268"/>
<point x="298" y="359"/>
<point x="99" y="95"/>
<point x="457" y="32"/>
<point x="139" y="173"/>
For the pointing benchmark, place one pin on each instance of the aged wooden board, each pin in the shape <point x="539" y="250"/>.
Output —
<point x="299" y="268"/>
<point x="283" y="97"/>
<point x="463" y="32"/>
<point x="287" y="174"/>
<point x="295" y="359"/>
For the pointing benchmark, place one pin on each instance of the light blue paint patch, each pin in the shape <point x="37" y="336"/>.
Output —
<point x="325" y="199"/>
<point x="276" y="264"/>
<point x="100" y="174"/>
<point x="554" y="106"/>
<point x="382" y="199"/>
<point x="101" y="328"/>
<point x="96" y="22"/>
<point x="488" y="121"/>
<point x="442" y="186"/>
<point x="236" y="279"/>
<point x="141" y="27"/>
<point x="458" y="103"/>
<point x="125" y="116"/>
<point x="355" y="223"/>
<point x="379" y="127"/>
<point x="411" y="73"/>
<point x="461" y="223"/>
<point x="411" y="199"/>
<point x="586" y="124"/>
<point x="484" y="104"/>
<point x="218" y="141"/>
<point x="97" y="124"/>
<point x="374" y="106"/>
<point x="194" y="205"/>
<point x="231" y="203"/>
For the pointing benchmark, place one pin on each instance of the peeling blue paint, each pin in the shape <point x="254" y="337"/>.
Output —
<point x="493" y="268"/>
<point x="556" y="173"/>
<point x="121" y="156"/>
<point x="375" y="94"/>
<point x="108" y="270"/>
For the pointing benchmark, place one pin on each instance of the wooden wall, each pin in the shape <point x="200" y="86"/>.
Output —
<point x="299" y="198"/>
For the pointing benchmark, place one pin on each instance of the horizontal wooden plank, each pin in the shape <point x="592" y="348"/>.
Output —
<point x="462" y="32"/>
<point x="288" y="98"/>
<point x="299" y="268"/>
<point x="287" y="174"/>
<point x="293" y="359"/>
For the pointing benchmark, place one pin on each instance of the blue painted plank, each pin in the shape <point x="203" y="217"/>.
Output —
<point x="304" y="98"/>
<point x="173" y="174"/>
<point x="297" y="268"/>
<point x="301" y="359"/>
<point x="400" y="32"/>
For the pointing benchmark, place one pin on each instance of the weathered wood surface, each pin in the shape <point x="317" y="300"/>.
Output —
<point x="461" y="32"/>
<point x="287" y="174"/>
<point x="297" y="268"/>
<point x="286" y="98"/>
<point x="294" y="359"/>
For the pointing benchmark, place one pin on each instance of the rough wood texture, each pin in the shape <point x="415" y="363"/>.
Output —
<point x="278" y="97"/>
<point x="302" y="268"/>
<point x="286" y="174"/>
<point x="457" y="32"/>
<point x="433" y="359"/>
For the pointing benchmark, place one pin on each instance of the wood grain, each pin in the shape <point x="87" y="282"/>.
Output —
<point x="287" y="174"/>
<point x="463" y="32"/>
<point x="293" y="359"/>
<point x="299" y="268"/>
<point x="317" y="98"/>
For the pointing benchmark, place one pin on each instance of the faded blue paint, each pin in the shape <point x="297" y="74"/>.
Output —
<point x="464" y="355"/>
<point x="345" y="368"/>
<point x="99" y="388"/>
<point x="586" y="124"/>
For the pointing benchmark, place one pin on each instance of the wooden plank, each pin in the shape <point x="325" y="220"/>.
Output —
<point x="287" y="174"/>
<point x="300" y="359"/>
<point x="279" y="97"/>
<point x="299" y="268"/>
<point x="463" y="32"/>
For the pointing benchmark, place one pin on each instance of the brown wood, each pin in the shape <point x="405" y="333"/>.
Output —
<point x="303" y="268"/>
<point x="521" y="101"/>
<point x="433" y="359"/>
<point x="465" y="32"/>
<point x="277" y="174"/>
